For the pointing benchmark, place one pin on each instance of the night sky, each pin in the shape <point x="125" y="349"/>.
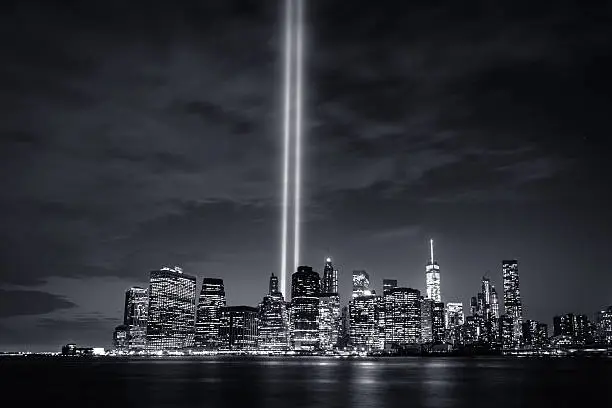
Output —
<point x="137" y="134"/>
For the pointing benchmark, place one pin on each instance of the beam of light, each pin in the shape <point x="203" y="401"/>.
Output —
<point x="298" y="130"/>
<point x="286" y="140"/>
<point x="431" y="246"/>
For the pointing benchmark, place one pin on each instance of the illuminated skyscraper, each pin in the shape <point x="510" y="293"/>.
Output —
<point x="512" y="298"/>
<point x="305" y="291"/>
<point x="239" y="328"/>
<point x="454" y="314"/>
<point x="604" y="326"/>
<point x="361" y="284"/>
<point x="363" y="327"/>
<point x="432" y="278"/>
<point x="438" y="323"/>
<point x="329" y="321"/>
<point x="208" y="322"/>
<point x="535" y="334"/>
<point x="274" y="320"/>
<point x="494" y="303"/>
<point x="135" y="317"/>
<point x="402" y="317"/>
<point x="426" y="320"/>
<point x="172" y="309"/>
<point x="330" y="278"/>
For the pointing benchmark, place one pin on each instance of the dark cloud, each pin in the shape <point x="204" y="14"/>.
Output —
<point x="30" y="302"/>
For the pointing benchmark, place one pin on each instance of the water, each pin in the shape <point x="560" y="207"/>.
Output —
<point x="303" y="382"/>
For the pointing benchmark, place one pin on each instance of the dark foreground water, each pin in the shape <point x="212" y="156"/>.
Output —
<point x="296" y="382"/>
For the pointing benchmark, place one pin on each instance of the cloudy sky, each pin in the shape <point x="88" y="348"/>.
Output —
<point x="137" y="134"/>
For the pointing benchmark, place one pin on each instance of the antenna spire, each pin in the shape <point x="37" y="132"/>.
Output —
<point x="431" y="247"/>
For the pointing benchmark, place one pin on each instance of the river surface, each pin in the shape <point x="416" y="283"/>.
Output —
<point x="305" y="382"/>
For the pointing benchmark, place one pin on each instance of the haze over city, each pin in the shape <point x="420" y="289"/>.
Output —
<point x="137" y="135"/>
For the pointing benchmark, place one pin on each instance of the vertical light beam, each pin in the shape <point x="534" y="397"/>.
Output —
<point x="286" y="139"/>
<point x="298" y="130"/>
<point x="431" y="246"/>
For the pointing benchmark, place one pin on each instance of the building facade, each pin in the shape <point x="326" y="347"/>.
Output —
<point x="432" y="278"/>
<point x="135" y="317"/>
<point x="402" y="317"/>
<point x="329" y="284"/>
<point x="239" y="328"/>
<point x="363" y="327"/>
<point x="512" y="299"/>
<point x="274" y="320"/>
<point x="172" y="309"/>
<point x="208" y="321"/>
<point x="361" y="283"/>
<point x="604" y="326"/>
<point x="304" y="320"/>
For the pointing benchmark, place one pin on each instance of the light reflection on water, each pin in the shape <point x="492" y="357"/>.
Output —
<point x="303" y="382"/>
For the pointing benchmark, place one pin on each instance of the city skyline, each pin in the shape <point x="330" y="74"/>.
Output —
<point x="129" y="145"/>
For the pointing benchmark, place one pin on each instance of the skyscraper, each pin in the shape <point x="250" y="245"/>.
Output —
<point x="604" y="326"/>
<point x="172" y="309"/>
<point x="329" y="321"/>
<point x="330" y="278"/>
<point x="135" y="317"/>
<point x="208" y="322"/>
<point x="305" y="291"/>
<point x="494" y="303"/>
<point x="432" y="278"/>
<point x="512" y="298"/>
<point x="454" y="314"/>
<point x="402" y="317"/>
<point x="239" y="328"/>
<point x="363" y="327"/>
<point x="535" y="334"/>
<point x="361" y="283"/>
<point x="389" y="284"/>
<point x="274" y="320"/>
<point x="438" y="323"/>
<point x="426" y="320"/>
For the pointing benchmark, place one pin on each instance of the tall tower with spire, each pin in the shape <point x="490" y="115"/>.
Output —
<point x="432" y="277"/>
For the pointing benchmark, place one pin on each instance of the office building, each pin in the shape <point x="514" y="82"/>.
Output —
<point x="604" y="326"/>
<point x="512" y="298"/>
<point x="426" y="320"/>
<point x="432" y="278"/>
<point x="120" y="337"/>
<point x="363" y="327"/>
<point x="402" y="317"/>
<point x="135" y="317"/>
<point x="274" y="333"/>
<point x="361" y="284"/>
<point x="454" y="314"/>
<point x="506" y="332"/>
<point x="329" y="283"/>
<point x="239" y="328"/>
<point x="329" y="321"/>
<point x="389" y="284"/>
<point x="172" y="309"/>
<point x="535" y="334"/>
<point x="208" y="322"/>
<point x="438" y="323"/>
<point x="304" y="320"/>
<point x="576" y="327"/>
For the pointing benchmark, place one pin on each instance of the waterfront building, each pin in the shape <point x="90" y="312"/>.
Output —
<point x="535" y="334"/>
<point x="329" y="321"/>
<point x="512" y="298"/>
<point x="304" y="320"/>
<point x="576" y="327"/>
<point x="438" y="324"/>
<point x="208" y="321"/>
<point x="239" y="328"/>
<point x="604" y="326"/>
<point x="426" y="320"/>
<point x="172" y="309"/>
<point x="363" y="327"/>
<point x="402" y="317"/>
<point x="273" y="320"/>
<point x="135" y="317"/>
<point x="120" y="337"/>
<point x="506" y="332"/>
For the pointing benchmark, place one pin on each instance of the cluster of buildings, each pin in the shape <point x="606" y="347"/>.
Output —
<point x="168" y="315"/>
